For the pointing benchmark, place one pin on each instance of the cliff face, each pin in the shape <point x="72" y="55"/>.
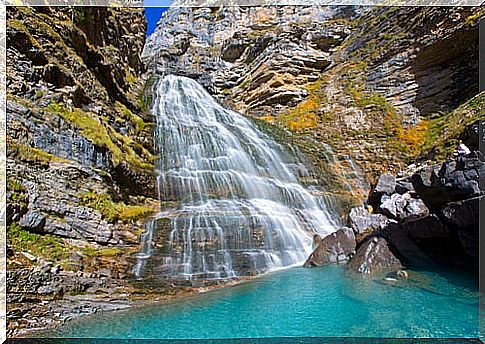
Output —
<point x="80" y="153"/>
<point x="378" y="86"/>
<point x="378" y="79"/>
<point x="74" y="105"/>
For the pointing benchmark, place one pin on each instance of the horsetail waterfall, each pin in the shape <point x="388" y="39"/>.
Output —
<point x="241" y="208"/>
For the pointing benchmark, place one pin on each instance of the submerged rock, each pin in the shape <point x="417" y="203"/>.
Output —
<point x="334" y="248"/>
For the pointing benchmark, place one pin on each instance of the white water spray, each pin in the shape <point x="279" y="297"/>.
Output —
<point x="241" y="207"/>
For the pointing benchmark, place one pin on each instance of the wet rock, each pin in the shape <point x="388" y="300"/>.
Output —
<point x="334" y="248"/>
<point x="361" y="220"/>
<point x="374" y="256"/>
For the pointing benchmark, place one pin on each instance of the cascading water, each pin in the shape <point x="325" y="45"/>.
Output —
<point x="241" y="209"/>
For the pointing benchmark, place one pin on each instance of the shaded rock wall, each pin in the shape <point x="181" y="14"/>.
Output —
<point x="80" y="156"/>
<point x="75" y="117"/>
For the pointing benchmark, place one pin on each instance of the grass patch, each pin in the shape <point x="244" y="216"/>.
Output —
<point x="47" y="246"/>
<point x="443" y="132"/>
<point x="114" y="211"/>
<point x="102" y="252"/>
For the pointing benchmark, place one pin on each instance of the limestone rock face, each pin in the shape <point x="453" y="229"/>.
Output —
<point x="258" y="58"/>
<point x="79" y="155"/>
<point x="75" y="124"/>
<point x="328" y="72"/>
<point x="334" y="248"/>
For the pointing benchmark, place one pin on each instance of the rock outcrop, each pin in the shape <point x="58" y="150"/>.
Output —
<point x="438" y="223"/>
<point x="412" y="229"/>
<point x="337" y="247"/>
<point x="374" y="256"/>
<point x="79" y="153"/>
<point x="330" y="73"/>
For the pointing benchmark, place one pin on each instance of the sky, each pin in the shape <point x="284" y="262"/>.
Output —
<point x="152" y="15"/>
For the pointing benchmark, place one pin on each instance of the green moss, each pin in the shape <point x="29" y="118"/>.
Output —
<point x="103" y="252"/>
<point x="443" y="132"/>
<point x="474" y="18"/>
<point x="130" y="78"/>
<point x="16" y="193"/>
<point x="145" y="97"/>
<point x="31" y="154"/>
<point x="47" y="246"/>
<point x="18" y="25"/>
<point x="91" y="128"/>
<point x="114" y="211"/>
<point x="135" y="120"/>
<point x="94" y="129"/>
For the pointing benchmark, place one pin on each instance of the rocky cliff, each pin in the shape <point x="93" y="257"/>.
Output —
<point x="80" y="155"/>
<point x="377" y="86"/>
<point x="382" y="80"/>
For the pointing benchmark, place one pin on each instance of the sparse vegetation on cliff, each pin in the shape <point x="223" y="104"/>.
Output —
<point x="114" y="211"/>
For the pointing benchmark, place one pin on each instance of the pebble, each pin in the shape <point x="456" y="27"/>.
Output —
<point x="29" y="256"/>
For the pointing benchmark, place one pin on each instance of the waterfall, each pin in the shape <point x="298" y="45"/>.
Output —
<point x="240" y="207"/>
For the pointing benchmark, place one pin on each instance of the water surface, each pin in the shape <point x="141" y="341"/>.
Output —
<point x="298" y="302"/>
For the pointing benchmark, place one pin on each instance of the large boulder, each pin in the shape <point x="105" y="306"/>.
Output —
<point x="334" y="248"/>
<point x="406" y="248"/>
<point x="360" y="220"/>
<point x="450" y="182"/>
<point x="403" y="207"/>
<point x="373" y="256"/>
<point x="386" y="185"/>
<point x="428" y="227"/>
<point x="464" y="213"/>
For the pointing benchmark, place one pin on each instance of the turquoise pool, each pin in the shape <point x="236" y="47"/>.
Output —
<point x="298" y="302"/>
